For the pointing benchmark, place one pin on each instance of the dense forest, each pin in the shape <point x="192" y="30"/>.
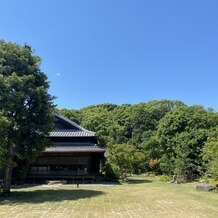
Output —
<point x="162" y="136"/>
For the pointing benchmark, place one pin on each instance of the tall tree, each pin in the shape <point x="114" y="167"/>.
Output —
<point x="25" y="103"/>
<point x="182" y="134"/>
<point x="210" y="154"/>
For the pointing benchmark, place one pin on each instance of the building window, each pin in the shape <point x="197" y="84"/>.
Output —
<point x="39" y="170"/>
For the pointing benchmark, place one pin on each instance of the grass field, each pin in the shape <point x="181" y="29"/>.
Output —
<point x="140" y="197"/>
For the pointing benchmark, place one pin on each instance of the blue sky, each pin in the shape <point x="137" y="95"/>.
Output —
<point x="120" y="51"/>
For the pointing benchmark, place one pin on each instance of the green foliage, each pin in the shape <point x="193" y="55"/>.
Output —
<point x="123" y="158"/>
<point x="106" y="141"/>
<point x="125" y="123"/>
<point x="170" y="134"/>
<point x="152" y="150"/>
<point x="164" y="178"/>
<point x="24" y="98"/>
<point x="208" y="179"/>
<point x="210" y="154"/>
<point x="24" y="102"/>
<point x="73" y="115"/>
<point x="4" y="124"/>
<point x="109" y="173"/>
<point x="182" y="134"/>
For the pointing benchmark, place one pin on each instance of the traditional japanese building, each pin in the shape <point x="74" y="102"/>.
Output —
<point x="74" y="155"/>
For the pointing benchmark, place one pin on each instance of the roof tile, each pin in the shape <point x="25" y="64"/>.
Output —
<point x="71" y="133"/>
<point x="74" y="147"/>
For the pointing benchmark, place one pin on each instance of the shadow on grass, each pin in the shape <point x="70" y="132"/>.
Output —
<point x="50" y="195"/>
<point x="138" y="181"/>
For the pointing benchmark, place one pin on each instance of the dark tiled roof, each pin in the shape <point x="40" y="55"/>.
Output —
<point x="74" y="147"/>
<point x="75" y="131"/>
<point x="71" y="133"/>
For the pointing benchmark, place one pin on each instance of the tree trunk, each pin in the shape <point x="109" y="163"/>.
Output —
<point x="8" y="171"/>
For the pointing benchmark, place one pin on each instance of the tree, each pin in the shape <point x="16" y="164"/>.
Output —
<point x="182" y="133"/>
<point x="4" y="123"/>
<point x="152" y="149"/>
<point x="25" y="103"/>
<point x="124" y="158"/>
<point x="170" y="134"/>
<point x="210" y="154"/>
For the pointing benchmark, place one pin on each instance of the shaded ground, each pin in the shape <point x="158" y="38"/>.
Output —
<point x="48" y="195"/>
<point x="138" y="180"/>
<point x="140" y="197"/>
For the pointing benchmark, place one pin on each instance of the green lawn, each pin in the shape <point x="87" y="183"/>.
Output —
<point x="141" y="197"/>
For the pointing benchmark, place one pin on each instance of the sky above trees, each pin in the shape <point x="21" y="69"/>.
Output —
<point x="120" y="51"/>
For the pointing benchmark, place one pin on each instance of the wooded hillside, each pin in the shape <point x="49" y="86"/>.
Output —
<point x="174" y="138"/>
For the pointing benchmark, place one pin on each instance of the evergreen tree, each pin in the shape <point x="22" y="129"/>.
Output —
<point x="25" y="103"/>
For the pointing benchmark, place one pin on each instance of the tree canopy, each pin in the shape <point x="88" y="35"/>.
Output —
<point x="25" y="103"/>
<point x="172" y="136"/>
<point x="210" y="154"/>
<point x="123" y="158"/>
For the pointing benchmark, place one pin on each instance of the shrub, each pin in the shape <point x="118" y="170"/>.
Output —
<point x="164" y="178"/>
